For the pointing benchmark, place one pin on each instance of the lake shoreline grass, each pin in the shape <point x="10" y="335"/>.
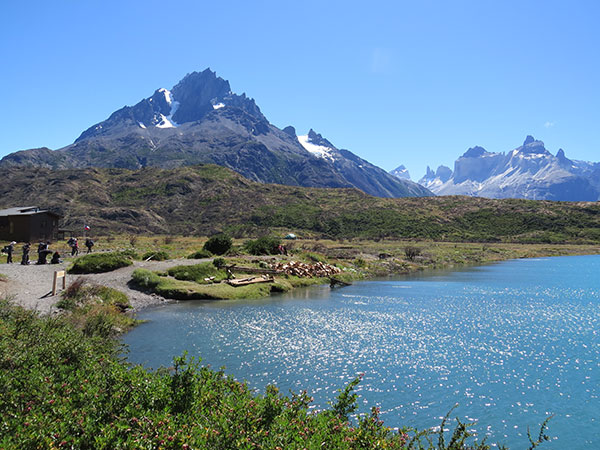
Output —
<point x="357" y="260"/>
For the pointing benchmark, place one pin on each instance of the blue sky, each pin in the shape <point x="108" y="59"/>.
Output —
<point x="413" y="83"/>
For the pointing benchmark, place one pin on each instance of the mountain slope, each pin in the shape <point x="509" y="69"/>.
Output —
<point x="529" y="171"/>
<point x="201" y="200"/>
<point x="202" y="121"/>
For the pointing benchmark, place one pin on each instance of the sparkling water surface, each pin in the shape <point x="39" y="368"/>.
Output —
<point x="511" y="343"/>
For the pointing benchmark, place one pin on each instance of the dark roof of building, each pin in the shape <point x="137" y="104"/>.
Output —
<point x="24" y="211"/>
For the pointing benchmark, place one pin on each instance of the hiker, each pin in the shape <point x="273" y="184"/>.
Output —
<point x="89" y="244"/>
<point x="43" y="252"/>
<point x="9" y="251"/>
<point x="72" y="242"/>
<point x="25" y="258"/>
<point x="55" y="258"/>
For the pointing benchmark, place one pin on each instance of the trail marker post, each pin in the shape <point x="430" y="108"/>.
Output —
<point x="59" y="274"/>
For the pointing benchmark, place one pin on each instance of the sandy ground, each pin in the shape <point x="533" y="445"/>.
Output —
<point x="31" y="286"/>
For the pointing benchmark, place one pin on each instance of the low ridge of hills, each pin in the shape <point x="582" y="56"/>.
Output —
<point x="206" y="199"/>
<point x="529" y="171"/>
<point x="200" y="121"/>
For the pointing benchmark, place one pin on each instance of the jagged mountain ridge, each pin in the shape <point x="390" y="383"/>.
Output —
<point x="529" y="171"/>
<point x="202" y="121"/>
<point x="401" y="172"/>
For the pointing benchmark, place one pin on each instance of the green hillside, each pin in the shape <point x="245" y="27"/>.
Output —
<point x="205" y="199"/>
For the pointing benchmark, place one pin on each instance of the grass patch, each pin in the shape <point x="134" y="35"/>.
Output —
<point x="100" y="262"/>
<point x="190" y="290"/>
<point x="197" y="272"/>
<point x="96" y="310"/>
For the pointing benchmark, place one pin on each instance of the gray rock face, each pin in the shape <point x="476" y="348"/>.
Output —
<point x="202" y="121"/>
<point x="529" y="171"/>
<point x="401" y="172"/>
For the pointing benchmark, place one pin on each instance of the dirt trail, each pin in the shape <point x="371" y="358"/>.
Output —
<point x="31" y="286"/>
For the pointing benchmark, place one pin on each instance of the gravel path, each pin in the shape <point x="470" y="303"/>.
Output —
<point x="31" y="286"/>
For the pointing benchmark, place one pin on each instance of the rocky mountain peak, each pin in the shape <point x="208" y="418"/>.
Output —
<point x="443" y="173"/>
<point x="290" y="130"/>
<point x="317" y="139"/>
<point x="532" y="146"/>
<point x="475" y="152"/>
<point x="197" y="93"/>
<point x="401" y="172"/>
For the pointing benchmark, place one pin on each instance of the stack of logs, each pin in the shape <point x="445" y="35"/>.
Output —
<point x="306" y="270"/>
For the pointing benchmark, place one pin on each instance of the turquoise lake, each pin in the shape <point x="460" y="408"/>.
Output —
<point x="511" y="343"/>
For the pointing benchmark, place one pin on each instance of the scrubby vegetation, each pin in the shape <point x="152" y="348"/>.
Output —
<point x="204" y="200"/>
<point x="155" y="256"/>
<point x="265" y="245"/>
<point x="62" y="388"/>
<point x="218" y="245"/>
<point x="200" y="254"/>
<point x="96" y="309"/>
<point x="100" y="262"/>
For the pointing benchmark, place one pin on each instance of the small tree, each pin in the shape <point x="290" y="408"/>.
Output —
<point x="218" y="245"/>
<point x="412" y="252"/>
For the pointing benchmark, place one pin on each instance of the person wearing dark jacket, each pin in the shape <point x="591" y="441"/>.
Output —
<point x="89" y="244"/>
<point x="43" y="252"/>
<point x="9" y="251"/>
<point x="55" y="258"/>
<point x="25" y="258"/>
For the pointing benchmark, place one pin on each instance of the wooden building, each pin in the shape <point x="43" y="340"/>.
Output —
<point x="28" y="224"/>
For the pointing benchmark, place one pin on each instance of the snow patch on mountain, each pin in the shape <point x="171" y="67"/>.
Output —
<point x="318" y="150"/>
<point x="219" y="106"/>
<point x="164" y="122"/>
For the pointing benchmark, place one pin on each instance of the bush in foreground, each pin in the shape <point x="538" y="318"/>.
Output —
<point x="100" y="262"/>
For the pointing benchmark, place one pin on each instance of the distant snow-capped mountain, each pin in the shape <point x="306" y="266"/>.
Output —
<point x="401" y="172"/>
<point x="201" y="120"/>
<point x="529" y="171"/>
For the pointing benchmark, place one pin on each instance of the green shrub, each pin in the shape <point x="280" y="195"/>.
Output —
<point x="99" y="262"/>
<point x="145" y="278"/>
<point x="155" y="256"/>
<point x="129" y="253"/>
<point x="219" y="244"/>
<point x="411" y="252"/>
<point x="266" y="245"/>
<point x="200" y="254"/>
<point x="219" y="263"/>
